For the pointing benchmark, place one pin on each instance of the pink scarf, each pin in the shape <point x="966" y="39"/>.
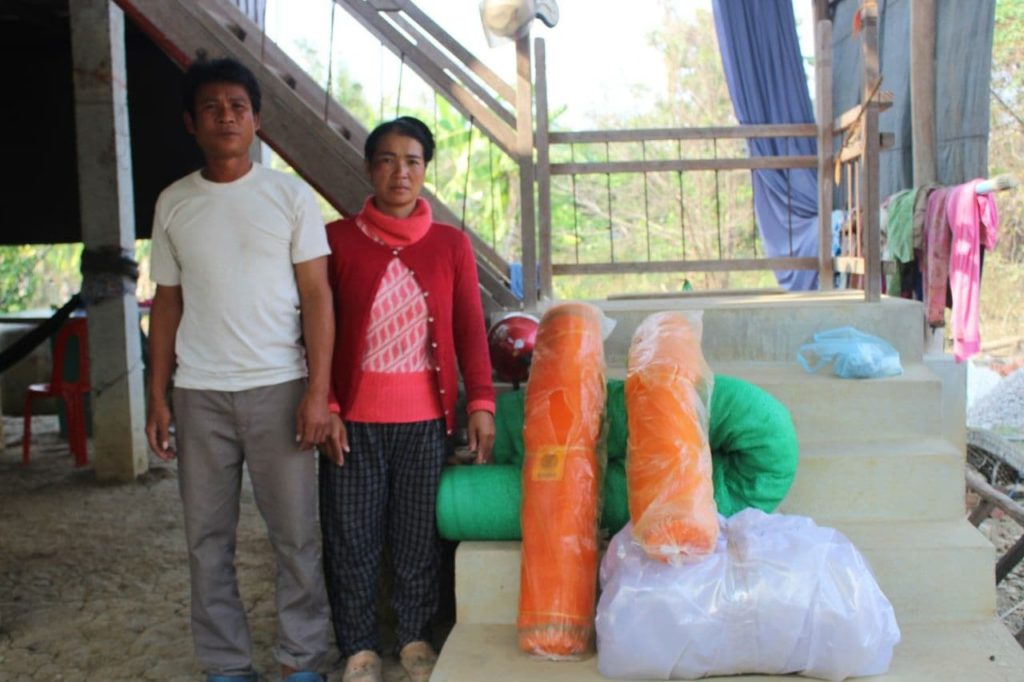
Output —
<point x="395" y="231"/>
<point x="974" y="222"/>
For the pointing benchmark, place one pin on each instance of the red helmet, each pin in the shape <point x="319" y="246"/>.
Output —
<point x="510" y="341"/>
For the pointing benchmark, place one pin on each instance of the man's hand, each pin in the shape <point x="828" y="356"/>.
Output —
<point x="481" y="435"/>
<point x="158" y="429"/>
<point x="312" y="421"/>
<point x="336" y="445"/>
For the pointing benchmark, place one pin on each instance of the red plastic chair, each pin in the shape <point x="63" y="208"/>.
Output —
<point x="71" y="392"/>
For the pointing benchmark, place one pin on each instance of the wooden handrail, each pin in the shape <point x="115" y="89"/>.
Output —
<point x="490" y="122"/>
<point x="471" y="62"/>
<point x="639" y="267"/>
<point x="706" y="133"/>
<point x="672" y="165"/>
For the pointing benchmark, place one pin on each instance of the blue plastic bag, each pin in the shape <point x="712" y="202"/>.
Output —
<point x="852" y="353"/>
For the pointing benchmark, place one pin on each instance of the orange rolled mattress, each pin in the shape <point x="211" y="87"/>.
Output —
<point x="562" y="470"/>
<point x="668" y="463"/>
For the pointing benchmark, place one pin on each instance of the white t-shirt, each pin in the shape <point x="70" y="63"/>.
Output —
<point x="231" y="248"/>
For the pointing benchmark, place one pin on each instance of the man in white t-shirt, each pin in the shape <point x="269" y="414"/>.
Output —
<point x="244" y="307"/>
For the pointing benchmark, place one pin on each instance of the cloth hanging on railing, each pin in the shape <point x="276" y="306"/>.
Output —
<point x="939" y="235"/>
<point x="974" y="224"/>
<point x="767" y="83"/>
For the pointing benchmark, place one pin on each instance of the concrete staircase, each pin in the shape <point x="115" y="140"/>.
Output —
<point x="881" y="460"/>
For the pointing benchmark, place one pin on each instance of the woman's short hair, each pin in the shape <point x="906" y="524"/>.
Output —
<point x="406" y="126"/>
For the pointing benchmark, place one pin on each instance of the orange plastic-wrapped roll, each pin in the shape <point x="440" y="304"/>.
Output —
<point x="668" y="464"/>
<point x="561" y="482"/>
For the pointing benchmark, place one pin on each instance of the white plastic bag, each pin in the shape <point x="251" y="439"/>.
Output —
<point x="779" y="595"/>
<point x="853" y="354"/>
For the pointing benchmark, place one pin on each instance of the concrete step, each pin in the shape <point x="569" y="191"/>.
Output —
<point x="827" y="408"/>
<point x="977" y="650"/>
<point x="930" y="571"/>
<point x="908" y="479"/>
<point x="772" y="327"/>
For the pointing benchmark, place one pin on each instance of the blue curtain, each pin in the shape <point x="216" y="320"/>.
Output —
<point x="761" y="58"/>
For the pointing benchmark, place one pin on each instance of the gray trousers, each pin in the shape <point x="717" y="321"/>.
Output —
<point x="216" y="432"/>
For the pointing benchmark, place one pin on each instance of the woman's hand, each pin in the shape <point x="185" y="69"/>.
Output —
<point x="481" y="435"/>
<point x="336" y="445"/>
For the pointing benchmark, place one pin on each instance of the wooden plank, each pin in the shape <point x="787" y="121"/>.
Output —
<point x="1009" y="560"/>
<point x="826" y="175"/>
<point x="978" y="484"/>
<point x="850" y="265"/>
<point x="464" y="76"/>
<point x="456" y="48"/>
<point x="981" y="512"/>
<point x="707" y="133"/>
<point x="922" y="90"/>
<point x="883" y="99"/>
<point x="695" y="294"/>
<point x="672" y="165"/>
<point x="855" y="265"/>
<point x="543" y="171"/>
<point x="624" y="267"/>
<point x="870" y="199"/>
<point x="104" y="164"/>
<point x="524" y="157"/>
<point x="460" y="97"/>
<point x="852" y="151"/>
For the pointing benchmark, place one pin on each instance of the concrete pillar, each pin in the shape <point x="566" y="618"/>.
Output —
<point x="107" y="215"/>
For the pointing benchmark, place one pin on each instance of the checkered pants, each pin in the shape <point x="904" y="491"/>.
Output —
<point x="387" y="488"/>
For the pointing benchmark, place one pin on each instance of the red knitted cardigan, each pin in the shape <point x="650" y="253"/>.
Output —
<point x="445" y="269"/>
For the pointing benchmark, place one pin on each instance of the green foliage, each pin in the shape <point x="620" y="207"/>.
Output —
<point x="38" y="276"/>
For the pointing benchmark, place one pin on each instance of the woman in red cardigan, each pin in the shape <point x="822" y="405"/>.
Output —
<point x="407" y="306"/>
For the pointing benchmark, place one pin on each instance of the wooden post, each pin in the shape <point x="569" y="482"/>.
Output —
<point x="869" y="198"/>
<point x="922" y="89"/>
<point x="823" y="102"/>
<point x="524" y="155"/>
<point x="543" y="173"/>
<point x="107" y="215"/>
<point x="819" y="10"/>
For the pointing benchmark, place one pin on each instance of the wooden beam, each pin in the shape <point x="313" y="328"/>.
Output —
<point x="543" y="171"/>
<point x="524" y="156"/>
<point x="624" y="267"/>
<point x="1009" y="560"/>
<point x="870" y="199"/>
<point x="922" y="90"/>
<point x="103" y="146"/>
<point x="460" y="97"/>
<point x="465" y="76"/>
<point x="883" y="99"/>
<point x="823" y="104"/>
<point x="978" y="484"/>
<point x="461" y="53"/>
<point x="707" y="133"/>
<point x="672" y="165"/>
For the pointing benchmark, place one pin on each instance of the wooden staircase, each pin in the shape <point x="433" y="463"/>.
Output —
<point x="317" y="136"/>
<point x="881" y="460"/>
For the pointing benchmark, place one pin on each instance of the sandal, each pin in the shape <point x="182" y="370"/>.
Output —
<point x="363" y="666"/>
<point x="418" y="659"/>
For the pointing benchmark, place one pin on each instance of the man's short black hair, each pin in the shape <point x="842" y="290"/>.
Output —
<point x="406" y="126"/>
<point x="224" y="70"/>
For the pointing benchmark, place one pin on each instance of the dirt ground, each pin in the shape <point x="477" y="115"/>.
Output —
<point x="95" y="577"/>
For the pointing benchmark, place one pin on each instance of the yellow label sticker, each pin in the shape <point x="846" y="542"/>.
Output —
<point x="548" y="464"/>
